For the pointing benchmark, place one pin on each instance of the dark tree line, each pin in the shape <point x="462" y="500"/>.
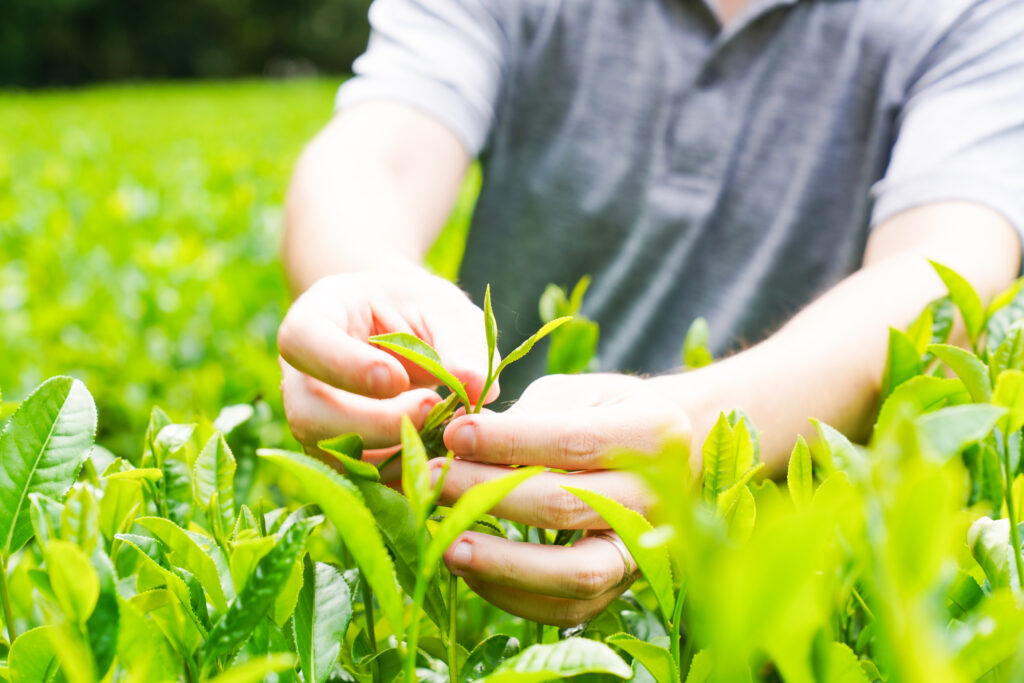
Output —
<point x="67" y="42"/>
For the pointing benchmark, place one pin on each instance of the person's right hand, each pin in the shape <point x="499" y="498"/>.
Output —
<point x="335" y="382"/>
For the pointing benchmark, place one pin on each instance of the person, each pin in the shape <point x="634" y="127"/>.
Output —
<point x="743" y="161"/>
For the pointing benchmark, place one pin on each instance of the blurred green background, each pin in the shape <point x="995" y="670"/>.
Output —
<point x="139" y="231"/>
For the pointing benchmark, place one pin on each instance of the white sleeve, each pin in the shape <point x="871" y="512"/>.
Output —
<point x="443" y="57"/>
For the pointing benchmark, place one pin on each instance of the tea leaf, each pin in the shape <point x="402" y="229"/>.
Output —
<point x="422" y="354"/>
<point x="950" y="430"/>
<point x="1009" y="355"/>
<point x="400" y="530"/>
<point x="257" y="670"/>
<point x="842" y="665"/>
<point x="656" y="659"/>
<point x="415" y="472"/>
<point x="719" y="458"/>
<point x="80" y="518"/>
<point x="921" y="395"/>
<point x="186" y="552"/>
<point x="695" y="345"/>
<point x="920" y="331"/>
<point x="214" y="474"/>
<point x="1009" y="393"/>
<point x="322" y="616"/>
<point x="257" y="598"/>
<point x="800" y="474"/>
<point x="630" y="525"/>
<point x="73" y="580"/>
<point x="490" y="330"/>
<point x="348" y="449"/>
<point x="902" y="362"/>
<point x="341" y="502"/>
<point x="473" y="504"/>
<point x="569" y="657"/>
<point x="965" y="298"/>
<point x="487" y="655"/>
<point x="971" y="371"/>
<point x="32" y="658"/>
<point x="525" y="347"/>
<point x="42" y="448"/>
<point x="573" y="347"/>
<point x="989" y="541"/>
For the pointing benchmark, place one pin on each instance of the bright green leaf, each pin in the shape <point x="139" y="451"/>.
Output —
<point x="525" y="347"/>
<point x="902" y="362"/>
<point x="656" y="659"/>
<point x="187" y="553"/>
<point x="422" y="354"/>
<point x="415" y="472"/>
<point x="569" y="657"/>
<point x="348" y="449"/>
<point x="73" y="579"/>
<point x="800" y="474"/>
<point x="971" y="371"/>
<point x="322" y="615"/>
<point x="719" y="458"/>
<point x="965" y="298"/>
<point x="949" y="430"/>
<point x="42" y="448"/>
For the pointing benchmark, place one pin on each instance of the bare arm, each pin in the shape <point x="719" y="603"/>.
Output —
<point x="827" y="361"/>
<point x="372" y="190"/>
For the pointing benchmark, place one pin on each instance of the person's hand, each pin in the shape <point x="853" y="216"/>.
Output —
<point x="334" y="381"/>
<point x="568" y="423"/>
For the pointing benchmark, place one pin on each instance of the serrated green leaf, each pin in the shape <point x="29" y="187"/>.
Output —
<point x="920" y="395"/>
<point x="186" y="552"/>
<point x="740" y="515"/>
<point x="422" y="354"/>
<point x="137" y="474"/>
<point x="45" y="514"/>
<point x="569" y="657"/>
<point x="971" y="371"/>
<point x="630" y="525"/>
<point x="341" y="501"/>
<point x="920" y="331"/>
<point x="287" y="598"/>
<point x="656" y="659"/>
<point x="400" y="531"/>
<point x="80" y="518"/>
<point x="719" y="453"/>
<point x="213" y="474"/>
<point x="322" y="615"/>
<point x="728" y="498"/>
<point x="487" y="655"/>
<point x="842" y="666"/>
<point x="256" y="599"/>
<point x="800" y="474"/>
<point x="348" y="449"/>
<point x="963" y="594"/>
<point x="835" y="448"/>
<point x="525" y="347"/>
<point x="473" y="504"/>
<point x="965" y="298"/>
<point x="42" y="448"/>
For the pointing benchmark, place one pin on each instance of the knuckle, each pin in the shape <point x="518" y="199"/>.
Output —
<point x="577" y="443"/>
<point x="563" y="510"/>
<point x="588" y="583"/>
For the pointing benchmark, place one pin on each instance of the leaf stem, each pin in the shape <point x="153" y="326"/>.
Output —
<point x="1011" y="513"/>
<point x="370" y="619"/>
<point x="5" y="596"/>
<point x="453" y="645"/>
<point x="675" y="628"/>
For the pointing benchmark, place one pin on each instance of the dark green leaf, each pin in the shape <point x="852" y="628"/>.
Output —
<point x="348" y="449"/>
<point x="487" y="655"/>
<point x="342" y="503"/>
<point x="256" y="599"/>
<point x="321" y="618"/>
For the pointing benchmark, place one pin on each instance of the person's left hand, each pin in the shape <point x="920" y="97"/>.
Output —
<point x="566" y="422"/>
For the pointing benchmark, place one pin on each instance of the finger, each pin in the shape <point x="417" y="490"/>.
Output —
<point x="320" y="348"/>
<point x="567" y="439"/>
<point x="316" y="411"/>
<point x="543" y="609"/>
<point x="584" y="571"/>
<point x="540" y="500"/>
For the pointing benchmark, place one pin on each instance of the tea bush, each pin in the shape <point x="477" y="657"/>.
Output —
<point x="141" y="547"/>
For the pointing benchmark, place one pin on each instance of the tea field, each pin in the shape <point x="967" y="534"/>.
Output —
<point x="158" y="523"/>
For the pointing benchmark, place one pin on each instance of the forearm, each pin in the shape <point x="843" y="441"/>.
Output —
<point x="371" y="191"/>
<point x="828" y="361"/>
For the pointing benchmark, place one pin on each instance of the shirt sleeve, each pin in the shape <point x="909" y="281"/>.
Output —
<point x="960" y="131"/>
<point x="443" y="57"/>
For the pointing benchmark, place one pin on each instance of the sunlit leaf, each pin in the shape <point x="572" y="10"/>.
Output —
<point x="422" y="354"/>
<point x="569" y="657"/>
<point x="525" y="347"/>
<point x="322" y="615"/>
<point x="800" y="474"/>
<point x="971" y="371"/>
<point x="965" y="298"/>
<point x="656" y="659"/>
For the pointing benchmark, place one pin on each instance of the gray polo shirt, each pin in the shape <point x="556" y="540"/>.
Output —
<point x="693" y="171"/>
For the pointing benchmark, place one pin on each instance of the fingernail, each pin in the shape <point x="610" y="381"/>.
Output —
<point x="464" y="439"/>
<point x="380" y="380"/>
<point x="462" y="555"/>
